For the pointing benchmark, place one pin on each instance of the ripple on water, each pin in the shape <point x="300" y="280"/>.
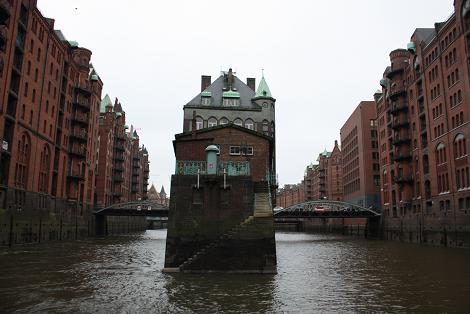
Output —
<point x="316" y="273"/>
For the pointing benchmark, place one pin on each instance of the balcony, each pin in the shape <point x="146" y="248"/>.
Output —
<point x="82" y="104"/>
<point x="76" y="175"/>
<point x="118" y="178"/>
<point x="394" y="71"/>
<point x="78" y="152"/>
<point x="403" y="179"/>
<point x="4" y="12"/>
<point x="397" y="91"/>
<point x="79" y="136"/>
<point x="398" y="124"/>
<point x="396" y="108"/>
<point x="402" y="157"/>
<point x="401" y="140"/>
<point x="119" y="147"/>
<point x="83" y="89"/>
<point x="118" y="168"/>
<point x="80" y="119"/>
<point x="3" y="38"/>
<point x="118" y="157"/>
<point x="120" y="136"/>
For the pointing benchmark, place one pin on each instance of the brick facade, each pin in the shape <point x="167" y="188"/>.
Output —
<point x="50" y="96"/>
<point x="361" y="179"/>
<point x="423" y="114"/>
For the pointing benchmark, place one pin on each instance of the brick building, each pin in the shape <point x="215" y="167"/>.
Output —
<point x="335" y="175"/>
<point x="423" y="110"/>
<point x="291" y="194"/>
<point x="361" y="178"/>
<point x="123" y="165"/>
<point x="50" y="97"/>
<point x="48" y="111"/>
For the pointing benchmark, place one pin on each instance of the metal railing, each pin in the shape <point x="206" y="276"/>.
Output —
<point x="231" y="168"/>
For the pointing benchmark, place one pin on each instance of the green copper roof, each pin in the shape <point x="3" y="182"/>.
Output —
<point x="383" y="82"/>
<point x="411" y="47"/>
<point x="231" y="94"/>
<point x="263" y="89"/>
<point x="105" y="102"/>
<point x="73" y="43"/>
<point x="206" y="93"/>
<point x="118" y="114"/>
<point x="94" y="77"/>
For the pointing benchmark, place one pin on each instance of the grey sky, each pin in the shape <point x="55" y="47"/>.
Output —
<point x="320" y="59"/>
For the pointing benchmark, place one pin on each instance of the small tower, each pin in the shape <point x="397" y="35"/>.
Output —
<point x="265" y="100"/>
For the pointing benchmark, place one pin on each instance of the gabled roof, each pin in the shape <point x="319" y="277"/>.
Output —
<point x="216" y="90"/>
<point x="223" y="126"/>
<point x="263" y="89"/>
<point x="162" y="191"/>
<point x="104" y="103"/>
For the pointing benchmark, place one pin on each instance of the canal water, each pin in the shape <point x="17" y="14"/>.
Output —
<point x="316" y="273"/>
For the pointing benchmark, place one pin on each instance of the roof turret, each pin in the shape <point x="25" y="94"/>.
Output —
<point x="263" y="89"/>
<point x="106" y="102"/>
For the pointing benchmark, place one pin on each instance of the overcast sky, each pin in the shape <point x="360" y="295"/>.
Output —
<point x="320" y="59"/>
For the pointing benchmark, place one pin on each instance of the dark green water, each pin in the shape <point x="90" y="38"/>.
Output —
<point x="316" y="273"/>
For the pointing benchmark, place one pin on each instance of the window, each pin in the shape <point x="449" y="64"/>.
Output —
<point x="246" y="150"/>
<point x="249" y="124"/>
<point x="231" y="102"/>
<point x="238" y="122"/>
<point x="234" y="150"/>
<point x="211" y="122"/>
<point x="460" y="146"/>
<point x="223" y="121"/>
<point x="206" y="101"/>
<point x="199" y="123"/>
<point x="241" y="150"/>
<point x="265" y="127"/>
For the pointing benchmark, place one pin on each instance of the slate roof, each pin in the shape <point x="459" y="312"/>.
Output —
<point x="216" y="90"/>
<point x="425" y="35"/>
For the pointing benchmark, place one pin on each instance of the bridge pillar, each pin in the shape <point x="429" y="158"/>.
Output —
<point x="100" y="225"/>
<point x="372" y="227"/>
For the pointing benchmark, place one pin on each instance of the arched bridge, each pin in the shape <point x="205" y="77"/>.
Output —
<point x="137" y="208"/>
<point x="324" y="209"/>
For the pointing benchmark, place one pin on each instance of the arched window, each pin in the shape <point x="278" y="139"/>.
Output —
<point x="249" y="124"/>
<point x="44" y="169"/>
<point x="211" y="122"/>
<point x="199" y="123"/>
<point x="272" y="128"/>
<point x="223" y="121"/>
<point x="441" y="154"/>
<point x="238" y="122"/>
<point x="460" y="146"/>
<point x="21" y="171"/>
<point x="266" y="127"/>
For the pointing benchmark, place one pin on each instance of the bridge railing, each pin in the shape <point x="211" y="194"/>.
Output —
<point x="327" y="206"/>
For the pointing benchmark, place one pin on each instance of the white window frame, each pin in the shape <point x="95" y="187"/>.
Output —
<point x="235" y="151"/>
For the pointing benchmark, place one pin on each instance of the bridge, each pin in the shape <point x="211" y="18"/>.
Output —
<point x="136" y="208"/>
<point x="324" y="209"/>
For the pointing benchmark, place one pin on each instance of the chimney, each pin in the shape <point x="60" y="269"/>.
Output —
<point x="205" y="82"/>
<point x="251" y="82"/>
<point x="193" y="125"/>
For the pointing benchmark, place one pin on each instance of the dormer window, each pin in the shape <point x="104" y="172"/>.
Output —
<point x="231" y="98"/>
<point x="206" y="98"/>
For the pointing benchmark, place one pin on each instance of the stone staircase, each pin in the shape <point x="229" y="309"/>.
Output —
<point x="225" y="236"/>
<point x="262" y="209"/>
<point x="262" y="201"/>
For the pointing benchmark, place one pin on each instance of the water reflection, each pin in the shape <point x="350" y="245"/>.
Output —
<point x="316" y="273"/>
